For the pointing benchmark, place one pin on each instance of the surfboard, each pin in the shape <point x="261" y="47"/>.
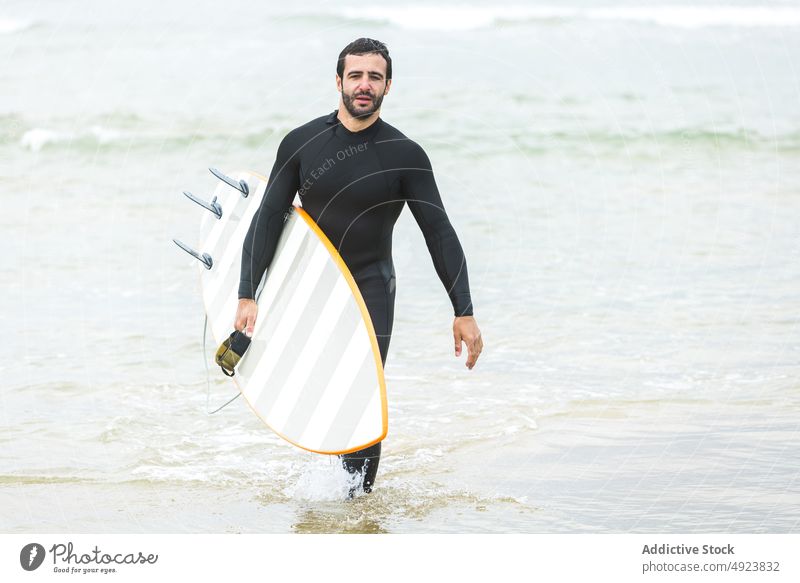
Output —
<point x="313" y="372"/>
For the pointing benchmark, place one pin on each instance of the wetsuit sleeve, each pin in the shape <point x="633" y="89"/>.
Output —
<point x="423" y="198"/>
<point x="267" y="224"/>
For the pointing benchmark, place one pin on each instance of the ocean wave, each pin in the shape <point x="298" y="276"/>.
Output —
<point x="701" y="16"/>
<point x="37" y="138"/>
<point x="616" y="142"/>
<point x="683" y="137"/>
<point x="30" y="480"/>
<point x="425" y="17"/>
<point x="98" y="138"/>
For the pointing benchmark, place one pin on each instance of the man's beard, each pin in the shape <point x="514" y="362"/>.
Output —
<point x="359" y="112"/>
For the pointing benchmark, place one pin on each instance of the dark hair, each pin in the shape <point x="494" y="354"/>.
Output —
<point x="365" y="46"/>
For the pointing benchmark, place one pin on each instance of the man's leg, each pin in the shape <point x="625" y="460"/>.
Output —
<point x="365" y="463"/>
<point x="377" y="287"/>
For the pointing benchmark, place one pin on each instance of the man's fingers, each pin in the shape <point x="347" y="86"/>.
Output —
<point x="468" y="333"/>
<point x="245" y="318"/>
<point x="240" y="322"/>
<point x="251" y="322"/>
<point x="475" y="347"/>
<point x="473" y="356"/>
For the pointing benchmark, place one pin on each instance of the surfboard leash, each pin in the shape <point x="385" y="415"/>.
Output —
<point x="208" y="374"/>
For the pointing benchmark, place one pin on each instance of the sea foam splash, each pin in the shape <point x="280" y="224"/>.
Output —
<point x="37" y="138"/>
<point x="323" y="480"/>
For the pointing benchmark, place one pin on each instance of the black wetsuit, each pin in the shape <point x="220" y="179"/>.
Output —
<point x="354" y="185"/>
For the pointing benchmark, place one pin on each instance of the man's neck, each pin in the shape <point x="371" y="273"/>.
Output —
<point x="356" y="124"/>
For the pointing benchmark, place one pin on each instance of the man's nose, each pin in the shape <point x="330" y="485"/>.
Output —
<point x="363" y="85"/>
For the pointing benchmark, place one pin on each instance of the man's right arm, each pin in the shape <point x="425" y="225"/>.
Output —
<point x="267" y="224"/>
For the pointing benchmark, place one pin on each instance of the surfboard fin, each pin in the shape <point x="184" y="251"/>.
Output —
<point x="212" y="206"/>
<point x="241" y="185"/>
<point x="205" y="258"/>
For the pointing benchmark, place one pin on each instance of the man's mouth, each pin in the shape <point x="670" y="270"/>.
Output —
<point x="364" y="99"/>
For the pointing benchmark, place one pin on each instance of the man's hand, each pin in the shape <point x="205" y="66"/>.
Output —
<point x="465" y="329"/>
<point x="246" y="316"/>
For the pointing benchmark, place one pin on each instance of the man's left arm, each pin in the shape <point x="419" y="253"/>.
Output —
<point x="425" y="202"/>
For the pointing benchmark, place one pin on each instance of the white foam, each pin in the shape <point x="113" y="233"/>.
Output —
<point x="8" y="26"/>
<point x="37" y="138"/>
<point x="322" y="481"/>
<point x="426" y="17"/>
<point x="105" y="135"/>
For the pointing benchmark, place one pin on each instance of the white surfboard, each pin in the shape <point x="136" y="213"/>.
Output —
<point x="313" y="372"/>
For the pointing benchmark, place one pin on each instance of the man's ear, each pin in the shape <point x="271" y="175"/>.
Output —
<point x="338" y="83"/>
<point x="388" y="84"/>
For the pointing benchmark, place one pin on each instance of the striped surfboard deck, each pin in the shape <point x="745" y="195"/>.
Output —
<point x="313" y="372"/>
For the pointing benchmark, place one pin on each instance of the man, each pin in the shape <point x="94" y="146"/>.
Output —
<point x="353" y="173"/>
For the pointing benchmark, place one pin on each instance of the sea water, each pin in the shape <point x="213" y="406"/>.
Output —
<point x="623" y="178"/>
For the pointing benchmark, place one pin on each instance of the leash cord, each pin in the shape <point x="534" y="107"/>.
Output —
<point x="208" y="374"/>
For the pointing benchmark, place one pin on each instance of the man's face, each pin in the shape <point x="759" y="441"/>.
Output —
<point x="364" y="84"/>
